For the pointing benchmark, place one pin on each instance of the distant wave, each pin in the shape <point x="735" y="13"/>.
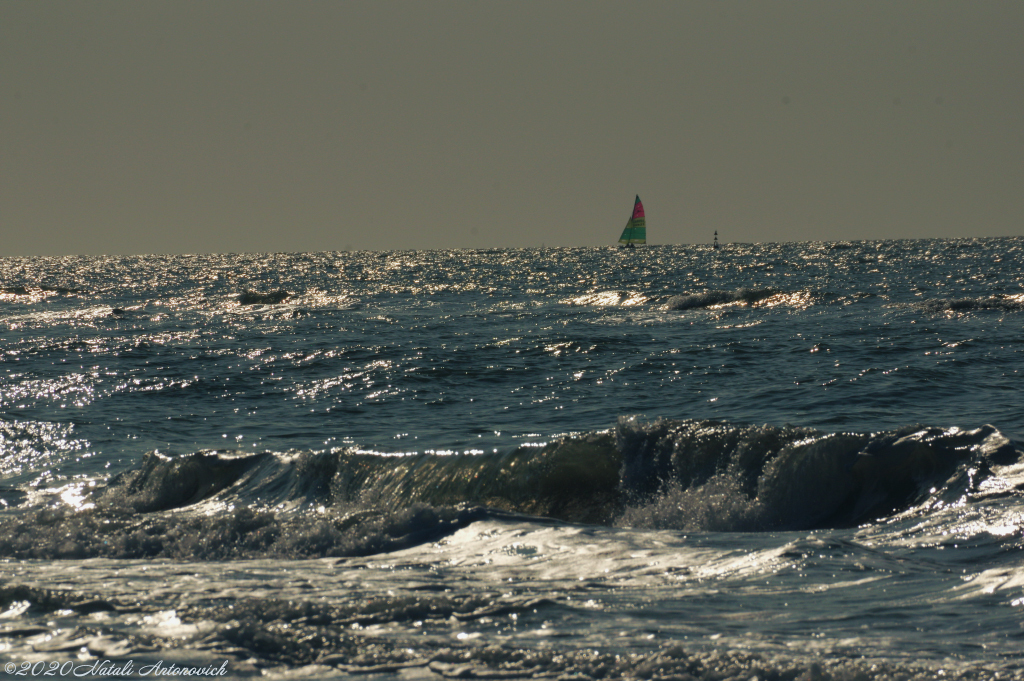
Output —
<point x="766" y="297"/>
<point x="30" y="290"/>
<point x="313" y="299"/>
<point x="255" y="298"/>
<point x="744" y="297"/>
<point x="688" y="475"/>
<point x="38" y="292"/>
<point x="1000" y="301"/>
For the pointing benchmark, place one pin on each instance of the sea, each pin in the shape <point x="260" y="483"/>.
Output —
<point x="765" y="462"/>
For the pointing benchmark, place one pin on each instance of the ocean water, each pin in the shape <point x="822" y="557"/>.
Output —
<point x="773" y="461"/>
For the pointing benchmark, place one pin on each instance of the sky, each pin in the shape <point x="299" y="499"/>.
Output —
<point x="237" y="126"/>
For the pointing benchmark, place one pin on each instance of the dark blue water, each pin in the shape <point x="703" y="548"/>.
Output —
<point x="455" y="350"/>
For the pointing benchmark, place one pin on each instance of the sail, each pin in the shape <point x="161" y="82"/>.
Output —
<point x="636" y="229"/>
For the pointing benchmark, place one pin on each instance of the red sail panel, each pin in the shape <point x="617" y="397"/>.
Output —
<point x="638" y="208"/>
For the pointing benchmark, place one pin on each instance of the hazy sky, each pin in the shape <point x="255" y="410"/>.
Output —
<point x="223" y="126"/>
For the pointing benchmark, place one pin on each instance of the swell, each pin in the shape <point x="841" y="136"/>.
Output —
<point x="688" y="475"/>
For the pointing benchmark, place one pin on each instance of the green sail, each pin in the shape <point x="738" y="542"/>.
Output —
<point x="635" y="232"/>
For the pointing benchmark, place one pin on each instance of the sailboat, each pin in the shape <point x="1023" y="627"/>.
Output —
<point x="636" y="229"/>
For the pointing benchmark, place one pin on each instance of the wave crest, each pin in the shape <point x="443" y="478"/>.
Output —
<point x="687" y="475"/>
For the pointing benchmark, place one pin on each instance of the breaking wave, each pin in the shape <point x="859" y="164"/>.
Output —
<point x="701" y="475"/>
<point x="688" y="475"/>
